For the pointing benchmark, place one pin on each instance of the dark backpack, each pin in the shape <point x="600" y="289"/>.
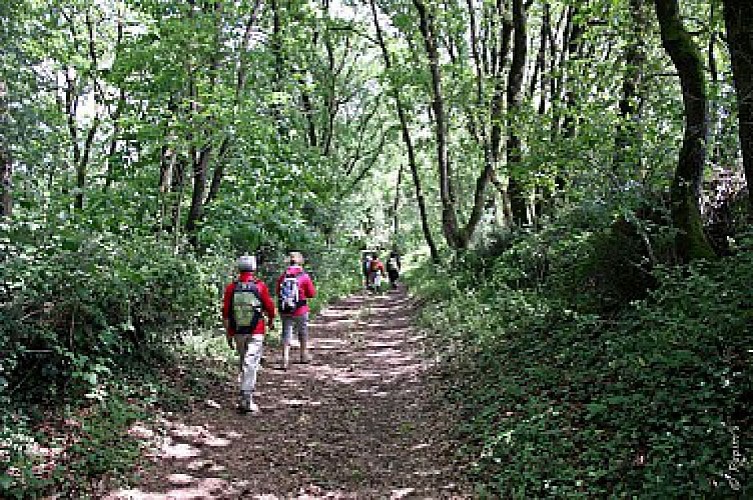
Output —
<point x="290" y="294"/>
<point x="392" y="264"/>
<point x="245" y="307"/>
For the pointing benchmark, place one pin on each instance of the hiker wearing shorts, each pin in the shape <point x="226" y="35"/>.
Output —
<point x="293" y="306"/>
<point x="245" y="303"/>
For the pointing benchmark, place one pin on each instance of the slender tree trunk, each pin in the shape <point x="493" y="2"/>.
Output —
<point x="6" y="163"/>
<point x="450" y="225"/>
<point x="686" y="186"/>
<point x="200" y="166"/>
<point x="518" y="194"/>
<point x="625" y="159"/>
<point x="240" y="87"/>
<point x="408" y="141"/>
<point x="714" y="115"/>
<point x="574" y="47"/>
<point x="279" y="62"/>
<point x="738" y="18"/>
<point x="396" y="203"/>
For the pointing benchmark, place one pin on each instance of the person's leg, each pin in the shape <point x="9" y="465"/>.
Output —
<point x="252" y="355"/>
<point x="241" y="346"/>
<point x="302" y="328"/>
<point x="393" y="278"/>
<point x="287" y="335"/>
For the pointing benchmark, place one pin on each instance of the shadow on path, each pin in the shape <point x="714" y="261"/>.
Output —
<point x="360" y="421"/>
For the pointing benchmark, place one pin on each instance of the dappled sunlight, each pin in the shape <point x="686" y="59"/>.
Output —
<point x="179" y="451"/>
<point x="300" y="402"/>
<point x="329" y="343"/>
<point x="347" y="425"/>
<point x="205" y="465"/>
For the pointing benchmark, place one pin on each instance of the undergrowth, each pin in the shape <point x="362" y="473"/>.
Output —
<point x="563" y="395"/>
<point x="97" y="336"/>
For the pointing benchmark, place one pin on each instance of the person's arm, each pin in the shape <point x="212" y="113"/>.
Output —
<point x="308" y="287"/>
<point x="267" y="304"/>
<point x="226" y="303"/>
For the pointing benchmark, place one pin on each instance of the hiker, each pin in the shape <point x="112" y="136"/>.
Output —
<point x="393" y="268"/>
<point x="245" y="303"/>
<point x="376" y="270"/>
<point x="294" y="288"/>
<point x="366" y="268"/>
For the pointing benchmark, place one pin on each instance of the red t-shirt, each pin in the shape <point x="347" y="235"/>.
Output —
<point x="305" y="286"/>
<point x="376" y="266"/>
<point x="266" y="301"/>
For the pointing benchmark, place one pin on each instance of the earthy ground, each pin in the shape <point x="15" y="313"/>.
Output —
<point x="363" y="420"/>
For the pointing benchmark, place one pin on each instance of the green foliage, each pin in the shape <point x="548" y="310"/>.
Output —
<point x="652" y="400"/>
<point x="66" y="455"/>
<point x="75" y="304"/>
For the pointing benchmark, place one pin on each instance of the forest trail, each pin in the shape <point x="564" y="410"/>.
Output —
<point x="363" y="420"/>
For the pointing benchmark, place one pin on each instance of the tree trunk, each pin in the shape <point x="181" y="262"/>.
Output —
<point x="691" y="242"/>
<point x="240" y="87"/>
<point x="518" y="194"/>
<point x="738" y="19"/>
<point x="624" y="166"/>
<point x="407" y="139"/>
<point x="200" y="166"/>
<point x="396" y="203"/>
<point x="450" y="225"/>
<point x="6" y="164"/>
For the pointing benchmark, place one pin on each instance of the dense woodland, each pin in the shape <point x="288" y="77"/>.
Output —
<point x="566" y="178"/>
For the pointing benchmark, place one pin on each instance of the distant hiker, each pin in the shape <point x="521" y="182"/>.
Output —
<point x="294" y="288"/>
<point x="245" y="303"/>
<point x="393" y="268"/>
<point x="366" y="268"/>
<point x="376" y="271"/>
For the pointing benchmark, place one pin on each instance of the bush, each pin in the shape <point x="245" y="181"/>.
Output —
<point x="72" y="308"/>
<point x="652" y="400"/>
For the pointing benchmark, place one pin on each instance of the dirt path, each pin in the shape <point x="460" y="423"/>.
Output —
<point x="360" y="421"/>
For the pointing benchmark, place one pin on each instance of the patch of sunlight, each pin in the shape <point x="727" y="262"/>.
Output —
<point x="401" y="493"/>
<point x="300" y="402"/>
<point x="181" y="479"/>
<point x="430" y="472"/>
<point x="216" y="442"/>
<point x="179" y="451"/>
<point x="205" y="465"/>
<point x="134" y="495"/>
<point x="138" y="430"/>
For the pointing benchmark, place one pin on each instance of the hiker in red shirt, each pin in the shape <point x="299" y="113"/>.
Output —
<point x="376" y="269"/>
<point x="245" y="303"/>
<point x="294" y="288"/>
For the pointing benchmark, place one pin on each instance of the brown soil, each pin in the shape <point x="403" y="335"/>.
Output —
<point x="363" y="420"/>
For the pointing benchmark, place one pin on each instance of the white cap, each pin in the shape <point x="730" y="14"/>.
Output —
<point x="247" y="263"/>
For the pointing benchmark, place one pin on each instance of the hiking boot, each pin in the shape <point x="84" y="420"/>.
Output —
<point x="246" y="404"/>
<point x="252" y="407"/>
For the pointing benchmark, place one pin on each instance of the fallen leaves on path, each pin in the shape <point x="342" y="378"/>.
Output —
<point x="362" y="420"/>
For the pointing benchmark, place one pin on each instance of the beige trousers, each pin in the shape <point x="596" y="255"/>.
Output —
<point x="249" y="348"/>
